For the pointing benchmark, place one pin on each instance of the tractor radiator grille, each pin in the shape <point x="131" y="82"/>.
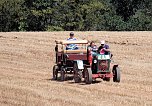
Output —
<point x="103" y="65"/>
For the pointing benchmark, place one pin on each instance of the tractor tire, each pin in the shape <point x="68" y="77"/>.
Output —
<point x="116" y="77"/>
<point x="77" y="73"/>
<point x="62" y="74"/>
<point x="88" y="76"/>
<point x="55" y="72"/>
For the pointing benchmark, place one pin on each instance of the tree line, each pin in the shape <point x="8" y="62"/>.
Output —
<point x="75" y="15"/>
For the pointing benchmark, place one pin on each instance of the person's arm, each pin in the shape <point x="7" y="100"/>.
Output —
<point x="95" y="47"/>
<point x="99" y="49"/>
<point x="106" y="48"/>
<point x="89" y="48"/>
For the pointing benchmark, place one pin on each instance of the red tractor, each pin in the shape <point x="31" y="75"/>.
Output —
<point x="81" y="64"/>
<point x="101" y="67"/>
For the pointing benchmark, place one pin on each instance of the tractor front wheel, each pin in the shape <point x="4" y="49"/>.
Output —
<point x="116" y="72"/>
<point x="62" y="74"/>
<point x="88" y="75"/>
<point x="55" y="72"/>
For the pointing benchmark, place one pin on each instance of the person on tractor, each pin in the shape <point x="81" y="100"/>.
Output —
<point x="104" y="48"/>
<point x="93" y="48"/>
<point x="71" y="46"/>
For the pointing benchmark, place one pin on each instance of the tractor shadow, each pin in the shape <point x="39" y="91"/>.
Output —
<point x="83" y="82"/>
<point x="67" y="78"/>
<point x="93" y="82"/>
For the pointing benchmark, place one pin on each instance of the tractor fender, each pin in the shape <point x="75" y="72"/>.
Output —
<point x="113" y="66"/>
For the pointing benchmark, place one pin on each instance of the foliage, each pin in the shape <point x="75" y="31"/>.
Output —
<point x="10" y="11"/>
<point x="81" y="15"/>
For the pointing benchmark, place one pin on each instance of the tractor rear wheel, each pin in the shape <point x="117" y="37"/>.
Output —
<point x="88" y="75"/>
<point x="116" y="72"/>
<point x="55" y="72"/>
<point x="77" y="73"/>
<point x="62" y="74"/>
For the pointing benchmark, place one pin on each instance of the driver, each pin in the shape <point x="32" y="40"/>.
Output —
<point x="71" y="46"/>
<point x="104" y="48"/>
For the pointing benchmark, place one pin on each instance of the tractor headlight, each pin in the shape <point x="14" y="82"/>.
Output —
<point x="94" y="61"/>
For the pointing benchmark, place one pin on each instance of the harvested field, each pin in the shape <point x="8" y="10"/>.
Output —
<point x="27" y="58"/>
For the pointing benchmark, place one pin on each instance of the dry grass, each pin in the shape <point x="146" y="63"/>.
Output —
<point x="26" y="60"/>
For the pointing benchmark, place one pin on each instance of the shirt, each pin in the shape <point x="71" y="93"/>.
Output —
<point x="94" y="48"/>
<point x="71" y="46"/>
<point x="100" y="49"/>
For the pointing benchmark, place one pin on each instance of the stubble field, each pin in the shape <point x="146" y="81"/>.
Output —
<point x="27" y="58"/>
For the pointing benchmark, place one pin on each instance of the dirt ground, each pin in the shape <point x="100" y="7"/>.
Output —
<point x="27" y="58"/>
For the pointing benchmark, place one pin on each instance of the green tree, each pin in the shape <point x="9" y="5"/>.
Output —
<point x="10" y="11"/>
<point x="82" y="15"/>
<point x="78" y="14"/>
<point x="126" y="8"/>
<point x="39" y="14"/>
